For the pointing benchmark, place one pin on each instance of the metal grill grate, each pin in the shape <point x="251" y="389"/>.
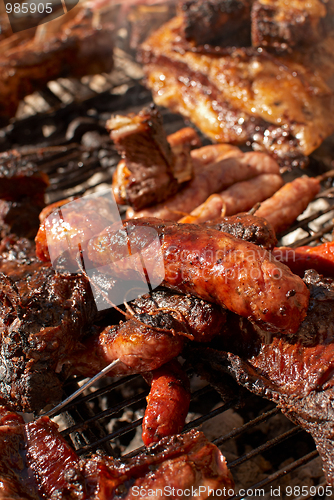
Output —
<point x="75" y="164"/>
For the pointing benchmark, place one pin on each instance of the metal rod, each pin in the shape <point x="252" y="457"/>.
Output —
<point x="77" y="393"/>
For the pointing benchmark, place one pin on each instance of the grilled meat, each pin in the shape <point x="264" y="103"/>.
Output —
<point x="300" y="259"/>
<point x="294" y="371"/>
<point x="216" y="267"/>
<point x="167" y="402"/>
<point x="182" y="462"/>
<point x="20" y="217"/>
<point x="28" y="66"/>
<point x="247" y="227"/>
<point x="285" y="25"/>
<point x="228" y="165"/>
<point x="282" y="209"/>
<point x="220" y="22"/>
<point x="212" y="208"/>
<point x="43" y="316"/>
<point x="240" y="95"/>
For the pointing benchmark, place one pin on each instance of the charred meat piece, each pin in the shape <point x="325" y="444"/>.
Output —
<point x="240" y="95"/>
<point x="28" y="66"/>
<point x="20" y="217"/>
<point x="283" y="208"/>
<point x="228" y="166"/>
<point x="167" y="402"/>
<point x="146" y="175"/>
<point x="43" y="316"/>
<point x="247" y="227"/>
<point x="285" y="25"/>
<point x="296" y="372"/>
<point x="216" y="267"/>
<point x="221" y="22"/>
<point x="201" y="320"/>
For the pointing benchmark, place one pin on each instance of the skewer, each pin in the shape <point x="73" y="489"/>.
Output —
<point x="77" y="393"/>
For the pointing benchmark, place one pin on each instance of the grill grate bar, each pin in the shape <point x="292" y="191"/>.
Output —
<point x="282" y="472"/>
<point x="314" y="237"/>
<point x="240" y="430"/>
<point x="264" y="447"/>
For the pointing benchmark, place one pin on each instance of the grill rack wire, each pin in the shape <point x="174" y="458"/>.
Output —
<point x="67" y="110"/>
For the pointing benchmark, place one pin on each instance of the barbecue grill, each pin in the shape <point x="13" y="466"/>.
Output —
<point x="67" y="119"/>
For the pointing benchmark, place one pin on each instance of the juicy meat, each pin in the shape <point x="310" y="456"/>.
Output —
<point x="14" y="485"/>
<point x="294" y="371"/>
<point x="182" y="462"/>
<point x="215" y="169"/>
<point x="249" y="228"/>
<point x="28" y="66"/>
<point x="146" y="172"/>
<point x="223" y="22"/>
<point x="167" y="402"/>
<point x="242" y="196"/>
<point x="20" y="217"/>
<point x="43" y="315"/>
<point x="285" y="25"/>
<point x="219" y="268"/>
<point x="212" y="208"/>
<point x="240" y="95"/>
<point x="300" y="259"/>
<point x="282" y="209"/>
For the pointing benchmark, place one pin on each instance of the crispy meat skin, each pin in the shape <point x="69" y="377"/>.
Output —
<point x="29" y="66"/>
<point x="285" y="109"/>
<point x="219" y="268"/>
<point x="167" y="402"/>
<point x="20" y="217"/>
<point x="43" y="315"/>
<point x="283" y="25"/>
<point x="295" y="371"/>
<point x="147" y="167"/>
<point x="223" y="22"/>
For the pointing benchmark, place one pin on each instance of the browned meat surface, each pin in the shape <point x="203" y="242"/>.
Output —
<point x="201" y="320"/>
<point x="43" y="316"/>
<point x="247" y="227"/>
<point x="20" y="217"/>
<point x="180" y="462"/>
<point x="66" y="226"/>
<point x="283" y="25"/>
<point x="241" y="95"/>
<point x="14" y="484"/>
<point x="214" y="170"/>
<point x="223" y="22"/>
<point x="242" y="196"/>
<point x="216" y="267"/>
<point x="28" y="66"/>
<point x="18" y="179"/>
<point x="212" y="208"/>
<point x="146" y="173"/>
<point x="182" y="142"/>
<point x="295" y="371"/>
<point x="167" y="402"/>
<point x="282" y="209"/>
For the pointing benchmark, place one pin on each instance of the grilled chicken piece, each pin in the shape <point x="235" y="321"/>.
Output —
<point x="150" y="171"/>
<point x="240" y="95"/>
<point x="75" y="49"/>
<point x="283" y="25"/>
<point x="282" y="209"/>
<point x="216" y="267"/>
<point x="222" y="22"/>
<point x="296" y="372"/>
<point x="228" y="166"/>
<point x="181" y="462"/>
